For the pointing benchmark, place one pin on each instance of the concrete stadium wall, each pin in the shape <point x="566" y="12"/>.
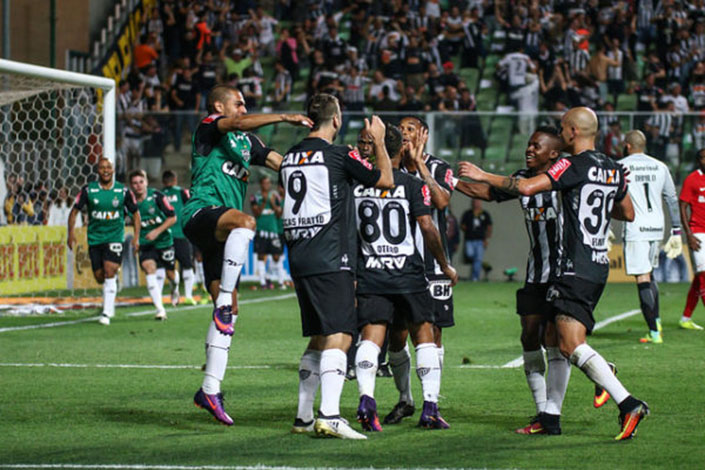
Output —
<point x="30" y="27"/>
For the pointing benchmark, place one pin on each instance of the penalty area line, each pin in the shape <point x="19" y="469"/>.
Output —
<point x="519" y="361"/>
<point x="140" y="313"/>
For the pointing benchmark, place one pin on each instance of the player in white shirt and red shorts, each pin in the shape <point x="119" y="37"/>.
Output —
<point x="693" y="197"/>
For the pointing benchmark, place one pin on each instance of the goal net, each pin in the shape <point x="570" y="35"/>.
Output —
<point x="55" y="125"/>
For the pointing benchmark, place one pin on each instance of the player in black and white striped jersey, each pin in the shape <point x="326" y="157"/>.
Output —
<point x="544" y="225"/>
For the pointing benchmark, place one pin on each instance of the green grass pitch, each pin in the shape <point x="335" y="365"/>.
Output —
<point x="101" y="408"/>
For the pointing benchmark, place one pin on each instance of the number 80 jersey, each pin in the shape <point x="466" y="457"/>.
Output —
<point x="590" y="183"/>
<point x="391" y="246"/>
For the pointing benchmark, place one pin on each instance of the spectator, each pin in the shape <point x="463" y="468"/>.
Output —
<point x="60" y="208"/>
<point x="614" y="141"/>
<point x="206" y="76"/>
<point x="286" y="51"/>
<point x="145" y="53"/>
<point x="334" y="48"/>
<point x="265" y="25"/>
<point x="476" y="224"/>
<point x="659" y="128"/>
<point x="236" y="63"/>
<point x="282" y="86"/>
<point x="184" y="98"/>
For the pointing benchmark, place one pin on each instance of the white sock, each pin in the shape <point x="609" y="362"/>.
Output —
<point x="262" y="272"/>
<point x="333" y="365"/>
<point x="366" y="363"/>
<point x="188" y="283"/>
<point x="234" y="256"/>
<point x="161" y="276"/>
<point x="535" y="368"/>
<point x="281" y="272"/>
<point x="428" y="368"/>
<point x="597" y="369"/>
<point x="154" y="291"/>
<point x="556" y="380"/>
<point x="400" y="362"/>
<point x="176" y="281"/>
<point x="109" y="293"/>
<point x="309" y="379"/>
<point x="217" y="347"/>
<point x="200" y="275"/>
<point x="441" y="355"/>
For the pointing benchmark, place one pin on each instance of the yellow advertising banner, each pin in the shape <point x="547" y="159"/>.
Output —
<point x="32" y="259"/>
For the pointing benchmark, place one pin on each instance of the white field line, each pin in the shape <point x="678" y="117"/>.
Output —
<point x="189" y="467"/>
<point x="519" y="361"/>
<point x="140" y="313"/>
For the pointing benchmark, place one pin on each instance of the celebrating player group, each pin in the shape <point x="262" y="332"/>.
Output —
<point x="366" y="238"/>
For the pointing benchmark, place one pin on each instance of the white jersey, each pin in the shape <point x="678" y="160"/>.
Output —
<point x="650" y="183"/>
<point x="516" y="64"/>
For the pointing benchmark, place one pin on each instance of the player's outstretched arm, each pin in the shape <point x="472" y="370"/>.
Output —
<point x="474" y="190"/>
<point x="250" y="122"/>
<point x="376" y="129"/>
<point x="432" y="239"/>
<point x="624" y="209"/>
<point x="136" y="226"/>
<point x="509" y="184"/>
<point x="273" y="160"/>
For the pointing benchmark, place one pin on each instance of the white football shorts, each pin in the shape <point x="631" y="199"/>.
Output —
<point x="641" y="257"/>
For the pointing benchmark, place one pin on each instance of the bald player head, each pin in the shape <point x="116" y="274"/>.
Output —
<point x="579" y="129"/>
<point x="634" y="142"/>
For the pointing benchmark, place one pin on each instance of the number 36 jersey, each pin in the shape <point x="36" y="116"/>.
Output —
<point x="391" y="247"/>
<point x="318" y="216"/>
<point x="590" y="183"/>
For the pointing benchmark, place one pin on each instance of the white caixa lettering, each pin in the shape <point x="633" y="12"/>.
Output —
<point x="603" y="175"/>
<point x="397" y="193"/>
<point x="302" y="158"/>
<point x="236" y="171"/>
<point x="105" y="215"/>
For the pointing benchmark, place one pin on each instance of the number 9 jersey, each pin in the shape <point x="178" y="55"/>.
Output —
<point x="318" y="215"/>
<point x="590" y="183"/>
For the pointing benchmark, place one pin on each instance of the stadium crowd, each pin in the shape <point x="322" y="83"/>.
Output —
<point x="407" y="55"/>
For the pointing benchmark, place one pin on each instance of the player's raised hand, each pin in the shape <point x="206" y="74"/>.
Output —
<point x="418" y="145"/>
<point x="375" y="128"/>
<point x="298" y="120"/>
<point x="452" y="274"/>
<point x="470" y="170"/>
<point x="151" y="236"/>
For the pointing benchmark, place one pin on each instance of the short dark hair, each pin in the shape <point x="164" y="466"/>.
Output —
<point x="168" y="176"/>
<point x="218" y="93"/>
<point x="392" y="140"/>
<point x="137" y="172"/>
<point x="322" y="108"/>
<point x="418" y="119"/>
<point x="699" y="153"/>
<point x="552" y="132"/>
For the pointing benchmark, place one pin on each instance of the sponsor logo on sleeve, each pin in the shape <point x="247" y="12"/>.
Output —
<point x="558" y="168"/>
<point x="426" y="193"/>
<point x="355" y="155"/>
<point x="449" y="178"/>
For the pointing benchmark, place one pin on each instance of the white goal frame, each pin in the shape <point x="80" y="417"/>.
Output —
<point x="79" y="79"/>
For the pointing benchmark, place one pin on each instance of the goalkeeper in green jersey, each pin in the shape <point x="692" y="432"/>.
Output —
<point x="156" y="241"/>
<point x="105" y="202"/>
<point x="222" y="152"/>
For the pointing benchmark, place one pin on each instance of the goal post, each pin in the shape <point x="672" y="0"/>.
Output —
<point x="66" y="78"/>
<point x="55" y="126"/>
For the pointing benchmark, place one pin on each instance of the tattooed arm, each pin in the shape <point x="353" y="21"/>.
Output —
<point x="508" y="184"/>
